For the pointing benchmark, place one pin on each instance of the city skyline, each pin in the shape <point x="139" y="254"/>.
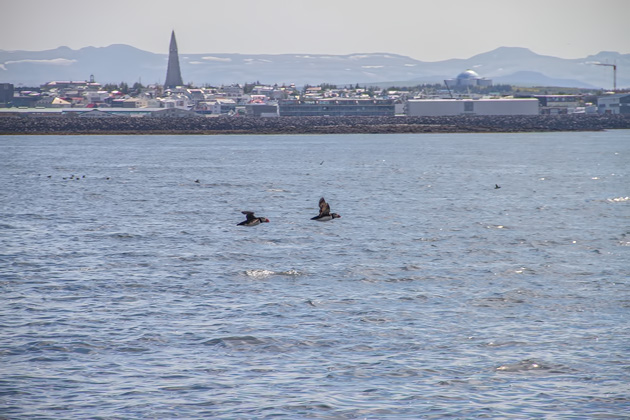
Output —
<point x="423" y="30"/>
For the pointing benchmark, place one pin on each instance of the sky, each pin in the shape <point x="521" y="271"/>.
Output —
<point x="426" y="30"/>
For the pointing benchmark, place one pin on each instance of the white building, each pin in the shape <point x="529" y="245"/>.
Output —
<point x="445" y="107"/>
<point x="224" y="106"/>
<point x="95" y="96"/>
<point x="180" y="102"/>
<point x="233" y="91"/>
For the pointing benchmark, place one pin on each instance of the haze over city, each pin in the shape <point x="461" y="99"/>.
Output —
<point x="423" y="30"/>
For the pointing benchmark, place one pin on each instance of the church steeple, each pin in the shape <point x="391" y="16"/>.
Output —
<point x="173" y="73"/>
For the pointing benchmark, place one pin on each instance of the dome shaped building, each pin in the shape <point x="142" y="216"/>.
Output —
<point x="468" y="78"/>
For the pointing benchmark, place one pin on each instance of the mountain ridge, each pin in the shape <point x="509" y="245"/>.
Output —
<point x="122" y="62"/>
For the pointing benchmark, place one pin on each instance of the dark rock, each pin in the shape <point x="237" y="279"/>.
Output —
<point x="309" y="125"/>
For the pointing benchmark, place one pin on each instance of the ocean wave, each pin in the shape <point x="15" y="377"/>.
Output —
<point x="496" y="227"/>
<point x="234" y="341"/>
<point x="534" y="365"/>
<point x="522" y="366"/>
<point x="261" y="273"/>
<point x="124" y="235"/>
<point x="618" y="199"/>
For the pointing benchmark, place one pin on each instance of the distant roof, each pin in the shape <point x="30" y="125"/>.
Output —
<point x="468" y="74"/>
<point x="614" y="96"/>
<point x="59" y="101"/>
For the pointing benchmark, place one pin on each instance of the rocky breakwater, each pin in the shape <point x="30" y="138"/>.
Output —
<point x="32" y="124"/>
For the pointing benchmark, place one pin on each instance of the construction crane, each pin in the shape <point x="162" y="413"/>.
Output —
<point x="614" y="66"/>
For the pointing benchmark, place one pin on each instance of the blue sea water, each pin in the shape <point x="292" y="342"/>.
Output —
<point x="128" y="291"/>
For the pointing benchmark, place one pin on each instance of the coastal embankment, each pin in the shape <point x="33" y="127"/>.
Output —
<point x="33" y="124"/>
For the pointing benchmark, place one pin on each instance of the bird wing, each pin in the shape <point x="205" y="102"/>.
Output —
<point x="324" y="208"/>
<point x="249" y="214"/>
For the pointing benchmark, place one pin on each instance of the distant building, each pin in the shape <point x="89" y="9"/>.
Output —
<point x="468" y="78"/>
<point x="176" y="101"/>
<point x="96" y="96"/>
<point x="96" y="113"/>
<point x="6" y="93"/>
<point x="559" y="104"/>
<point x="224" y="106"/>
<point x="235" y="92"/>
<point x="29" y="99"/>
<point x="261" y="110"/>
<point x="99" y="112"/>
<point x="195" y="95"/>
<point x="60" y="103"/>
<point x="446" y="107"/>
<point x="614" y="104"/>
<point x="337" y="107"/>
<point x="173" y="112"/>
<point x="173" y="73"/>
<point x="70" y="88"/>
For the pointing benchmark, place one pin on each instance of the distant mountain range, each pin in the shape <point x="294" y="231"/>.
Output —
<point x="118" y="63"/>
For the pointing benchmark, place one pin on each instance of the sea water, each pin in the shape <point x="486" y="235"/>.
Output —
<point x="128" y="291"/>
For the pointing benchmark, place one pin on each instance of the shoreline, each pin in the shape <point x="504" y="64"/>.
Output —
<point x="74" y="125"/>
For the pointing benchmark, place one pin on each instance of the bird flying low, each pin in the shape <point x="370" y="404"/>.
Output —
<point x="252" y="220"/>
<point x="324" y="212"/>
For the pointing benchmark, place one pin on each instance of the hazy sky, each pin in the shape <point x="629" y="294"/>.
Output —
<point x="428" y="30"/>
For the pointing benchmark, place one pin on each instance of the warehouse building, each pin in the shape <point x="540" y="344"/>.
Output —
<point x="337" y="107"/>
<point x="614" y="104"/>
<point x="445" y="107"/>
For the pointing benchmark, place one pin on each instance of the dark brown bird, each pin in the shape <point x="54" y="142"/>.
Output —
<point x="324" y="212"/>
<point x="252" y="220"/>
